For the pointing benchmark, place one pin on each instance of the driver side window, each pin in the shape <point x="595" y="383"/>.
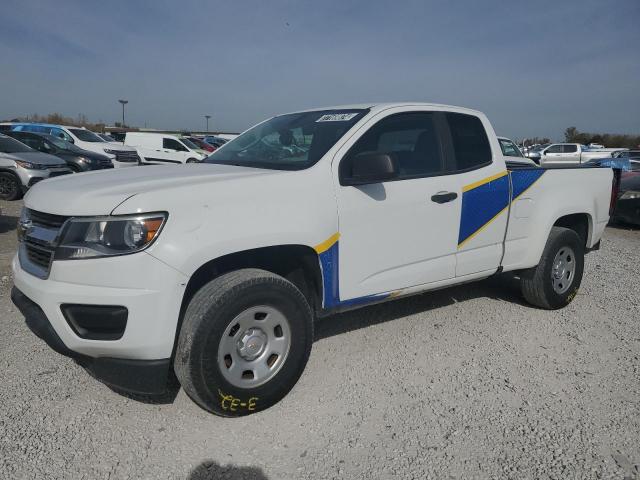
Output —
<point x="554" y="149"/>
<point x="410" y="138"/>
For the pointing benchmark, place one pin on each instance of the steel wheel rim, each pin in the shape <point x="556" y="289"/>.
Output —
<point x="563" y="270"/>
<point x="6" y="186"/>
<point x="254" y="346"/>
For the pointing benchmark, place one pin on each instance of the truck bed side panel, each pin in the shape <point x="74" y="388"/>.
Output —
<point x="541" y="197"/>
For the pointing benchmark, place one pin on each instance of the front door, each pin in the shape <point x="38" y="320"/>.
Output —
<point x="400" y="233"/>
<point x="553" y="155"/>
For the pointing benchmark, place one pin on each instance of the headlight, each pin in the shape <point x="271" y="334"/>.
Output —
<point x="112" y="152"/>
<point x="108" y="236"/>
<point x="630" y="195"/>
<point x="31" y="166"/>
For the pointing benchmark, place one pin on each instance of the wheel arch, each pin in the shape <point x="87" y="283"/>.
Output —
<point x="297" y="263"/>
<point x="581" y="223"/>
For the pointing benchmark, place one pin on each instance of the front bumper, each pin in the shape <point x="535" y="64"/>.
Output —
<point x="135" y="376"/>
<point x="150" y="290"/>
<point x="29" y="177"/>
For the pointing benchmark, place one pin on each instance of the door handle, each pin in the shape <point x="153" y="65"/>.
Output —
<point x="444" y="197"/>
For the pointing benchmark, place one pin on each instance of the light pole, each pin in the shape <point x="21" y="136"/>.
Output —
<point x="207" y="117"/>
<point x="123" y="102"/>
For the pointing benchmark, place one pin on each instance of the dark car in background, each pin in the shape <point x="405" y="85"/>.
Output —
<point x="202" y="144"/>
<point x="628" y="204"/>
<point x="215" y="141"/>
<point x="21" y="167"/>
<point x="630" y="154"/>
<point x="77" y="159"/>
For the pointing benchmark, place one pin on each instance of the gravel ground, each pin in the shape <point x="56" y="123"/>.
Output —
<point x="467" y="382"/>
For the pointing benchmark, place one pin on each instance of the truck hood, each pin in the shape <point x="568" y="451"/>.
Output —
<point x="100" y="192"/>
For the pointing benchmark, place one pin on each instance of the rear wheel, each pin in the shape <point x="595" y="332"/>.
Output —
<point x="555" y="281"/>
<point x="10" y="187"/>
<point x="192" y="160"/>
<point x="244" y="342"/>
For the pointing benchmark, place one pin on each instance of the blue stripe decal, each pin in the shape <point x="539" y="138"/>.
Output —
<point x="329" y="262"/>
<point x="522" y="179"/>
<point x="330" y="279"/>
<point x="482" y="204"/>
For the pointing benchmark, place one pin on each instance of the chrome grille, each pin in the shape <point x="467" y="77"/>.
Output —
<point x="46" y="219"/>
<point x="105" y="163"/>
<point x="40" y="256"/>
<point x="38" y="244"/>
<point x="124" y="156"/>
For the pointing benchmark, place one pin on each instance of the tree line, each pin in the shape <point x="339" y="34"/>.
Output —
<point x="610" y="140"/>
<point x="59" y="119"/>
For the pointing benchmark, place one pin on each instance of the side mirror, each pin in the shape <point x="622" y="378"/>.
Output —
<point x="372" y="167"/>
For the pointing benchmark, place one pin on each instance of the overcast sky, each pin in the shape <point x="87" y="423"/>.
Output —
<point x="534" y="67"/>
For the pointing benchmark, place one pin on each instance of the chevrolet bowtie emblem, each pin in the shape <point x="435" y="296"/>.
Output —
<point x="24" y="227"/>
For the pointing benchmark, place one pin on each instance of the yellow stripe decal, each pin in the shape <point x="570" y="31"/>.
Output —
<point x="473" y="185"/>
<point x="327" y="244"/>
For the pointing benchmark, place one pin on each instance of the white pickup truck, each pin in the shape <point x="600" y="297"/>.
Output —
<point x="558" y="154"/>
<point x="217" y="271"/>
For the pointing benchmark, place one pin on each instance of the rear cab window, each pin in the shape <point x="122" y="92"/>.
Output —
<point x="470" y="142"/>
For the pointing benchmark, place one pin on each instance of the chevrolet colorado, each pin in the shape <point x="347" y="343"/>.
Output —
<point x="217" y="270"/>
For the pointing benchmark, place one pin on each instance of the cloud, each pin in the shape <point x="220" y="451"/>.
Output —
<point x="533" y="68"/>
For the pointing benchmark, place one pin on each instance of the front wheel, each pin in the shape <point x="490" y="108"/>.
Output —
<point x="555" y="281"/>
<point x="193" y="160"/>
<point x="244" y="342"/>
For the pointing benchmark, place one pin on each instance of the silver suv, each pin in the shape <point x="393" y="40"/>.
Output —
<point x="22" y="166"/>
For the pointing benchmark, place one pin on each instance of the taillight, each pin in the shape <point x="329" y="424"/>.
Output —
<point x="615" y="189"/>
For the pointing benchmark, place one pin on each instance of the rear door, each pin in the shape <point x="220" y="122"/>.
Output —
<point x="571" y="153"/>
<point x="484" y="185"/>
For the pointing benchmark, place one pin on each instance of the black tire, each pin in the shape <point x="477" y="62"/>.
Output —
<point x="210" y="312"/>
<point x="193" y="160"/>
<point x="10" y="186"/>
<point x="537" y="282"/>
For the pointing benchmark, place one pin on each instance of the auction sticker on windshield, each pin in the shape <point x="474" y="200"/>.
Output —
<point x="336" y="117"/>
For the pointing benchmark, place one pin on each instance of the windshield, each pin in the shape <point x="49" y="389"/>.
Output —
<point x="189" y="143"/>
<point x="289" y="142"/>
<point x="509" y="148"/>
<point x="86" y="135"/>
<point x="11" y="145"/>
